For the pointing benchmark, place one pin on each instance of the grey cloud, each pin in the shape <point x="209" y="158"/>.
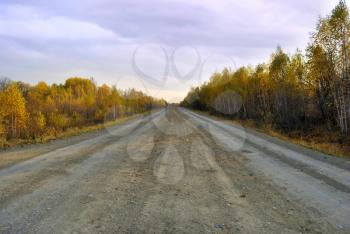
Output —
<point x="39" y="38"/>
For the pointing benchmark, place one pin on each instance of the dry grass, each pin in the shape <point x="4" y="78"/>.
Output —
<point x="319" y="139"/>
<point x="11" y="157"/>
<point x="64" y="134"/>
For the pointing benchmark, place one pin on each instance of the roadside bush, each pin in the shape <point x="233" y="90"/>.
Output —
<point x="77" y="120"/>
<point x="2" y="133"/>
<point x="37" y="123"/>
<point x="58" y="121"/>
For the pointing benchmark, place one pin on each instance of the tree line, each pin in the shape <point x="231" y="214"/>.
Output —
<point x="297" y="91"/>
<point x="29" y="112"/>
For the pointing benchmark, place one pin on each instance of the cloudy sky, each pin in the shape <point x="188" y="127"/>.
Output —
<point x="159" y="46"/>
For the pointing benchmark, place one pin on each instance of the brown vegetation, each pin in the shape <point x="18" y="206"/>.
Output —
<point x="295" y="94"/>
<point x="43" y="111"/>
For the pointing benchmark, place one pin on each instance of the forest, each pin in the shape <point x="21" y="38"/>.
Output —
<point x="30" y="112"/>
<point x="307" y="93"/>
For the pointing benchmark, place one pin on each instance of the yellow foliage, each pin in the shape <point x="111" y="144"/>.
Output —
<point x="53" y="109"/>
<point x="37" y="124"/>
<point x="14" y="110"/>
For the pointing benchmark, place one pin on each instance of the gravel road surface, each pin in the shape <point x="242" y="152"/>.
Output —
<point x="174" y="171"/>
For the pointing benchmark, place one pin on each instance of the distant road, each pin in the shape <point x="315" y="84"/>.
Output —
<point x="175" y="171"/>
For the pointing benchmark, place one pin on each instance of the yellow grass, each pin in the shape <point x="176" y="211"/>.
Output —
<point x="318" y="139"/>
<point x="8" y="158"/>
<point x="67" y="133"/>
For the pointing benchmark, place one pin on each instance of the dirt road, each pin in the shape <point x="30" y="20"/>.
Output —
<point x="175" y="171"/>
